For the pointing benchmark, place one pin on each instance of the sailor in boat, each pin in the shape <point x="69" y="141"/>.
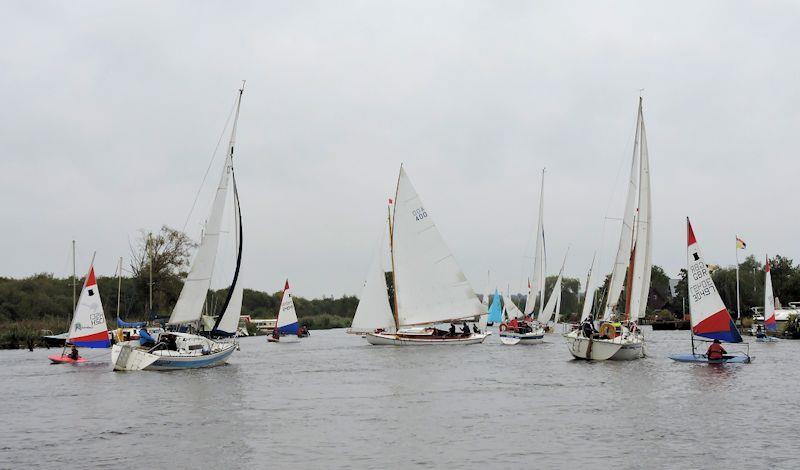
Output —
<point x="475" y="329"/>
<point x="275" y="333"/>
<point x="587" y="328"/>
<point x="716" y="352"/>
<point x="760" y="332"/>
<point x="465" y="330"/>
<point x="145" y="339"/>
<point x="73" y="354"/>
<point x="452" y="329"/>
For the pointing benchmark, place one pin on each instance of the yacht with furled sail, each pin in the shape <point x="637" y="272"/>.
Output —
<point x="186" y="344"/>
<point x="709" y="316"/>
<point x="632" y="267"/>
<point x="88" y="327"/>
<point x="428" y="285"/>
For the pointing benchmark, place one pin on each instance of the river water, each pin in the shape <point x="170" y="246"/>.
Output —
<point x="332" y="401"/>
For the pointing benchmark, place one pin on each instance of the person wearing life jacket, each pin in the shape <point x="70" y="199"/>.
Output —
<point x="275" y="333"/>
<point x="73" y="354"/>
<point x="513" y="325"/>
<point x="716" y="352"/>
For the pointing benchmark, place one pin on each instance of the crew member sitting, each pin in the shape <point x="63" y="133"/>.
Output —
<point x="716" y="352"/>
<point x="759" y="332"/>
<point x="452" y="329"/>
<point x="475" y="328"/>
<point x="73" y="354"/>
<point x="145" y="339"/>
<point x="465" y="330"/>
<point x="513" y="325"/>
<point x="588" y="328"/>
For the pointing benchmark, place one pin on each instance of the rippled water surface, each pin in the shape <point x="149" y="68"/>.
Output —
<point x="332" y="401"/>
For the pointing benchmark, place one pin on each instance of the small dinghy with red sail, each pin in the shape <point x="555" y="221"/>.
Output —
<point x="88" y="328"/>
<point x="710" y="317"/>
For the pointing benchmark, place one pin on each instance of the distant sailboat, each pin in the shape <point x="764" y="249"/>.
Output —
<point x="496" y="310"/>
<point x="179" y="349"/>
<point x="527" y="330"/>
<point x="633" y="262"/>
<point x="286" y="323"/>
<point x="429" y="286"/>
<point x="709" y="316"/>
<point x="88" y="328"/>
<point x="549" y="312"/>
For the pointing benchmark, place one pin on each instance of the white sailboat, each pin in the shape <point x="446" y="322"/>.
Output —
<point x="373" y="311"/>
<point x="178" y="348"/>
<point x="528" y="330"/>
<point x="633" y="262"/>
<point x="429" y="286"/>
<point x="549" y="312"/>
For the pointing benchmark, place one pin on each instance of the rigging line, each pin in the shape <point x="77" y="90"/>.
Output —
<point x="208" y="169"/>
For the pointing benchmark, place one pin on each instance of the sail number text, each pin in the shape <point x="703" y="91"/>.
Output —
<point x="705" y="286"/>
<point x="419" y="214"/>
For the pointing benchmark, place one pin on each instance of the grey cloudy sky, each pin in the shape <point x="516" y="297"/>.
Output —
<point x="111" y="110"/>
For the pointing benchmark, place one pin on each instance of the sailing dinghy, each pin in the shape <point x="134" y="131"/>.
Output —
<point x="633" y="263"/>
<point x="286" y="323"/>
<point x="178" y="348"/>
<point x="88" y="328"/>
<point x="429" y="286"/>
<point x="770" y="323"/>
<point x="709" y="316"/>
<point x="495" y="310"/>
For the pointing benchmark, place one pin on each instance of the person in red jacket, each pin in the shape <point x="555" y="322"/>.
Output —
<point x="716" y="351"/>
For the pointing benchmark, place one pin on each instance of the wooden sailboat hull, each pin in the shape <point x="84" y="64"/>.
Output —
<point x="391" y="339"/>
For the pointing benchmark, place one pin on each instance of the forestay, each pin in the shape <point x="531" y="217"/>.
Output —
<point x="429" y="285"/>
<point x="709" y="316"/>
<point x="88" y="328"/>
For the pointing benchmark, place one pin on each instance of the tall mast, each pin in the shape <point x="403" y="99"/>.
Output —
<point x="544" y="259"/>
<point x="119" y="284"/>
<point x="150" y="282"/>
<point x="391" y="251"/>
<point x="74" y="280"/>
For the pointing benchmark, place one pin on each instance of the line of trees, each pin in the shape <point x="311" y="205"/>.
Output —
<point x="164" y="256"/>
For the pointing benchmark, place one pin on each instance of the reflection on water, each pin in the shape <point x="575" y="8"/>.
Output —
<point x="332" y="401"/>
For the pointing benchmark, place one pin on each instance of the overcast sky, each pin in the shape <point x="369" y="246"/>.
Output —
<point x="111" y="111"/>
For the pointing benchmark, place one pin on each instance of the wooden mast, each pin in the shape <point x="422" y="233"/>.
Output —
<point x="391" y="251"/>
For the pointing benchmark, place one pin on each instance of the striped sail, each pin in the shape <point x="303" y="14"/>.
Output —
<point x="287" y="317"/>
<point x="709" y="316"/>
<point x="88" y="328"/>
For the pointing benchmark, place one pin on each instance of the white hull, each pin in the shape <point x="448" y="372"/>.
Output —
<point x="391" y="339"/>
<point x="591" y="349"/>
<point x="630" y="350"/>
<point x="129" y="356"/>
<point x="534" y="337"/>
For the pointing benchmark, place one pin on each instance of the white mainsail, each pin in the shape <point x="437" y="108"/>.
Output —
<point x="626" y="234"/>
<point x="538" y="276"/>
<point x="429" y="285"/>
<point x="373" y="311"/>
<point x="511" y="309"/>
<point x="642" y="266"/>
<point x="189" y="307"/>
<point x="588" y="300"/>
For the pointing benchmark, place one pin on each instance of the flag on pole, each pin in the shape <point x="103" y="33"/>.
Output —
<point x="740" y="244"/>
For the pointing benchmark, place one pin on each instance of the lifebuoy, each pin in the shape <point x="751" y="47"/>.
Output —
<point x="608" y="330"/>
<point x="503" y="327"/>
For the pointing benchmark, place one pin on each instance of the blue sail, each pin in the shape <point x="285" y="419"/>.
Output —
<point x="495" y="311"/>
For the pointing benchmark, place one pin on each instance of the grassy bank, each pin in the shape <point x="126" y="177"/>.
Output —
<point x="15" y="335"/>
